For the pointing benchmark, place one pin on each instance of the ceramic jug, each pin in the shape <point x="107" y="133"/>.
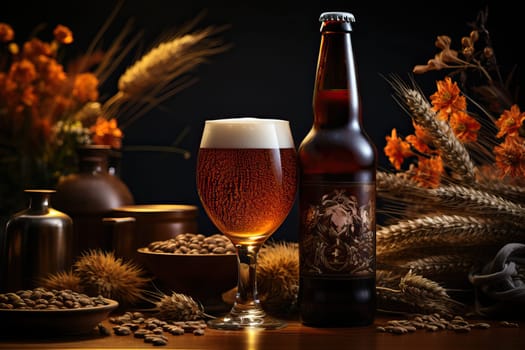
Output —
<point x="38" y="242"/>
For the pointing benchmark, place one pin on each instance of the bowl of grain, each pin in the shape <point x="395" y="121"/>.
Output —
<point x="203" y="267"/>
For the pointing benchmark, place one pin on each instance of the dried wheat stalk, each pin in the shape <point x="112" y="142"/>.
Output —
<point x="167" y="61"/>
<point x="443" y="231"/>
<point x="420" y="287"/>
<point x="477" y="202"/>
<point x="401" y="256"/>
<point x="454" y="153"/>
<point x="395" y="184"/>
<point x="509" y="192"/>
<point x="440" y="266"/>
<point x="392" y="300"/>
<point x="162" y="72"/>
<point x="449" y="198"/>
<point x="416" y="293"/>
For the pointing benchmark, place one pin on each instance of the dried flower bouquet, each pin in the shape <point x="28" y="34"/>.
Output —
<point x="48" y="107"/>
<point x="453" y="240"/>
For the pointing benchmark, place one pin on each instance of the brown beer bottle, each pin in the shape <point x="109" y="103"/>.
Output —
<point x="337" y="163"/>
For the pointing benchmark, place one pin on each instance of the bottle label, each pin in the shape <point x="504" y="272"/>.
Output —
<point x="337" y="229"/>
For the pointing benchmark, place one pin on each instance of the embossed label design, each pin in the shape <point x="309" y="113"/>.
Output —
<point x="338" y="230"/>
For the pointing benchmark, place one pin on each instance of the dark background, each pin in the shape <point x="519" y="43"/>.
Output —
<point x="269" y="69"/>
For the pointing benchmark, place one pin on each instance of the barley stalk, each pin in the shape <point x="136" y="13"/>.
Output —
<point x="454" y="229"/>
<point x="417" y="293"/>
<point x="408" y="253"/>
<point x="442" y="265"/>
<point x="443" y="231"/>
<point x="392" y="300"/>
<point x="162" y="72"/>
<point x="450" y="269"/>
<point x="387" y="278"/>
<point x="394" y="185"/>
<point x="454" y="153"/>
<point x="451" y="198"/>
<point x="420" y="287"/>
<point x="510" y="192"/>
<point x="477" y="202"/>
<point x="164" y="62"/>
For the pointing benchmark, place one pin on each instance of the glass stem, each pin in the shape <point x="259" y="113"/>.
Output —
<point x="247" y="301"/>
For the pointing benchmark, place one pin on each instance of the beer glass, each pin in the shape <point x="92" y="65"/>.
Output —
<point x="247" y="181"/>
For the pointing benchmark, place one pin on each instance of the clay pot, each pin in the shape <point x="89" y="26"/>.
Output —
<point x="135" y="226"/>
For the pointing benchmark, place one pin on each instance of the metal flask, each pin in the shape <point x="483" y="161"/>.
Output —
<point x="38" y="242"/>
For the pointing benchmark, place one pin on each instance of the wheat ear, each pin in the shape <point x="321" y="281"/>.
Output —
<point x="445" y="265"/>
<point x="443" y="231"/>
<point x="454" y="153"/>
<point x="162" y="72"/>
<point x="420" y="287"/>
<point x="499" y="188"/>
<point x="395" y="184"/>
<point x="393" y="300"/>
<point x="166" y="61"/>
<point x="451" y="199"/>
<point x="391" y="259"/>
<point x="477" y="202"/>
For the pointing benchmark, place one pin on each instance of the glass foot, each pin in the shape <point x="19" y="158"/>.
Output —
<point x="232" y="322"/>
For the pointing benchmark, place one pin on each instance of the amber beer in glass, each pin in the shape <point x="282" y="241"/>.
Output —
<point x="337" y="168"/>
<point x="247" y="181"/>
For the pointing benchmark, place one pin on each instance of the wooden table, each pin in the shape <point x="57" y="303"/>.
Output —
<point x="296" y="336"/>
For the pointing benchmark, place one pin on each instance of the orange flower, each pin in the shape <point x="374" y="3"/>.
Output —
<point x="510" y="157"/>
<point x="35" y="47"/>
<point x="428" y="171"/>
<point x="464" y="126"/>
<point x="85" y="87"/>
<point x="7" y="33"/>
<point x="448" y="99"/>
<point x="52" y="75"/>
<point x="420" y="140"/>
<point x="106" y="132"/>
<point x="396" y="149"/>
<point x="510" y="121"/>
<point x="63" y="34"/>
<point x="28" y="96"/>
<point x="22" y="73"/>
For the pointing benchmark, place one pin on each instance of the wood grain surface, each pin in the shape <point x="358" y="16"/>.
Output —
<point x="294" y="336"/>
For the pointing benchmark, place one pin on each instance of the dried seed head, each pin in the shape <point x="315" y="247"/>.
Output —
<point x="101" y="273"/>
<point x="62" y="280"/>
<point x="488" y="52"/>
<point x="178" y="307"/>
<point x="278" y="276"/>
<point x="474" y="36"/>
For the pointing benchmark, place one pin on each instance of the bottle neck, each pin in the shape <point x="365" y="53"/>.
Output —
<point x="336" y="99"/>
<point x="39" y="200"/>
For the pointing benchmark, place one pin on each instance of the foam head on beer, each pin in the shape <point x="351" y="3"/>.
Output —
<point x="247" y="132"/>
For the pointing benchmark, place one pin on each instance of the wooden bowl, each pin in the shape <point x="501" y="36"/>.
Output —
<point x="204" y="277"/>
<point x="45" y="323"/>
